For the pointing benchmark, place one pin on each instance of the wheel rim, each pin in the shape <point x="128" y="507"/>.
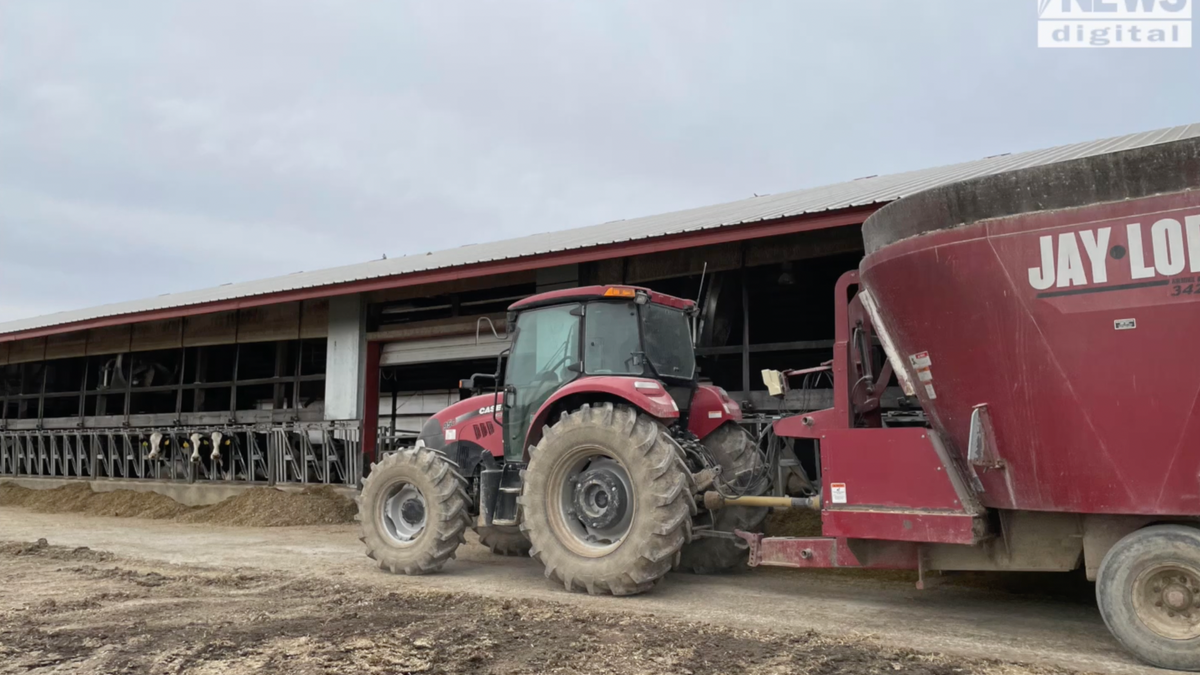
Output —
<point x="592" y="504"/>
<point x="1166" y="598"/>
<point x="403" y="513"/>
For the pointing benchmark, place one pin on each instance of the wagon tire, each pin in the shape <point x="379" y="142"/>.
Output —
<point x="1148" y="591"/>
<point x="633" y="458"/>
<point x="413" y="511"/>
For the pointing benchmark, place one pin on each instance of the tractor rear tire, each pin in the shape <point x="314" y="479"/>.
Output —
<point x="414" y="511"/>
<point x="641" y="530"/>
<point x="736" y="452"/>
<point x="1148" y="591"/>
<point x="504" y="540"/>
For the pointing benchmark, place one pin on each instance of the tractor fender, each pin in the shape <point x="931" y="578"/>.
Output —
<point x="711" y="407"/>
<point x="641" y="393"/>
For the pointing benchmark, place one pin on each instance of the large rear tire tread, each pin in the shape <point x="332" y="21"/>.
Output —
<point x="736" y="452"/>
<point x="504" y="540"/>
<point x="447" y="511"/>
<point x="1132" y="557"/>
<point x="663" y="494"/>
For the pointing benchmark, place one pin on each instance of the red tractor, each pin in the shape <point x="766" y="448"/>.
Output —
<point x="590" y="457"/>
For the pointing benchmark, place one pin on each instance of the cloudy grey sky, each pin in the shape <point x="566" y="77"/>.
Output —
<point x="152" y="147"/>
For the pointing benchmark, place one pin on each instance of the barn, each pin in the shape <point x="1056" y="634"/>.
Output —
<point x="303" y="379"/>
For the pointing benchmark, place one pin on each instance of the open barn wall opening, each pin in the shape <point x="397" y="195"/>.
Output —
<point x="266" y="364"/>
<point x="764" y="303"/>
<point x="431" y="342"/>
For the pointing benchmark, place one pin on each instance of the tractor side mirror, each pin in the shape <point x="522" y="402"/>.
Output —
<point x="500" y="365"/>
<point x="496" y="405"/>
<point x="470" y="383"/>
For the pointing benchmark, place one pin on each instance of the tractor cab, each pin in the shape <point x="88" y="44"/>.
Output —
<point x="562" y="337"/>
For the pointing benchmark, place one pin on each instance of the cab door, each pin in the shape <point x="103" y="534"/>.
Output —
<point x="544" y="358"/>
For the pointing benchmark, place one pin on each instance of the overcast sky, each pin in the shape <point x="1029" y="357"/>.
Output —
<point x="153" y="147"/>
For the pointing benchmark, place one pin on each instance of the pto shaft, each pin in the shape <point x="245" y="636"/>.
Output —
<point x="716" y="500"/>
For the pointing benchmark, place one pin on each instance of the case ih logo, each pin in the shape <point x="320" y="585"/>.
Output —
<point x="1138" y="24"/>
<point x="1088" y="260"/>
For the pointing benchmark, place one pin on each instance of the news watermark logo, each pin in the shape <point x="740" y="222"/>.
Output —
<point x="1127" y="24"/>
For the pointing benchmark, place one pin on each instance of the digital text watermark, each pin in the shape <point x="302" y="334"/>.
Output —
<point x="1108" y="24"/>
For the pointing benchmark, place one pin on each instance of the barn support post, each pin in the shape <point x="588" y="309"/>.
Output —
<point x="128" y="398"/>
<point x="299" y="372"/>
<point x="745" y="331"/>
<point x="370" y="431"/>
<point x="352" y="370"/>
<point x="395" y="394"/>
<point x="87" y="365"/>
<point x="346" y="358"/>
<point x="279" y="398"/>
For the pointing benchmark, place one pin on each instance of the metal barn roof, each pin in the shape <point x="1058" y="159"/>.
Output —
<point x="858" y="193"/>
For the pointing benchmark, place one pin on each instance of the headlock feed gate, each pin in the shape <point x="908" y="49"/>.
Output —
<point x="209" y="400"/>
<point x="267" y="454"/>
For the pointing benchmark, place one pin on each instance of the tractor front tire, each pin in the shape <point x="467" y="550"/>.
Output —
<point x="736" y="453"/>
<point x="504" y="540"/>
<point x="414" y="511"/>
<point x="607" y="502"/>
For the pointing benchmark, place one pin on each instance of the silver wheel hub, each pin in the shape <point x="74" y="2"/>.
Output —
<point x="596" y="502"/>
<point x="1167" y="600"/>
<point x="1178" y="598"/>
<point x="600" y="498"/>
<point x="404" y="513"/>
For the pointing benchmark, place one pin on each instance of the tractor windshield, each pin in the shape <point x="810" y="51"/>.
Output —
<point x="668" y="341"/>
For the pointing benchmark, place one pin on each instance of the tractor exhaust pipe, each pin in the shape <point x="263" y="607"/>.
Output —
<point x="716" y="500"/>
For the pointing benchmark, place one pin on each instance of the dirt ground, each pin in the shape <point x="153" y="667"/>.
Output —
<point x="78" y="610"/>
<point x="137" y="595"/>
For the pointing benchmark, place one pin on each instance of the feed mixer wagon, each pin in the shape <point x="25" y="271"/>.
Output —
<point x="1044" y="325"/>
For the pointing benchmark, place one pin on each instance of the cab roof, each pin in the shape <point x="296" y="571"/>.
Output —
<point x="610" y="291"/>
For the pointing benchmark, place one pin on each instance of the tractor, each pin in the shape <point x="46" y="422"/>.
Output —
<point x="590" y="453"/>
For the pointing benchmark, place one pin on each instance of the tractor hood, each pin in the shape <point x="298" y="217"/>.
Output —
<point x="447" y="422"/>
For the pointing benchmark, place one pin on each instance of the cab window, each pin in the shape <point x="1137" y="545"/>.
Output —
<point x="611" y="340"/>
